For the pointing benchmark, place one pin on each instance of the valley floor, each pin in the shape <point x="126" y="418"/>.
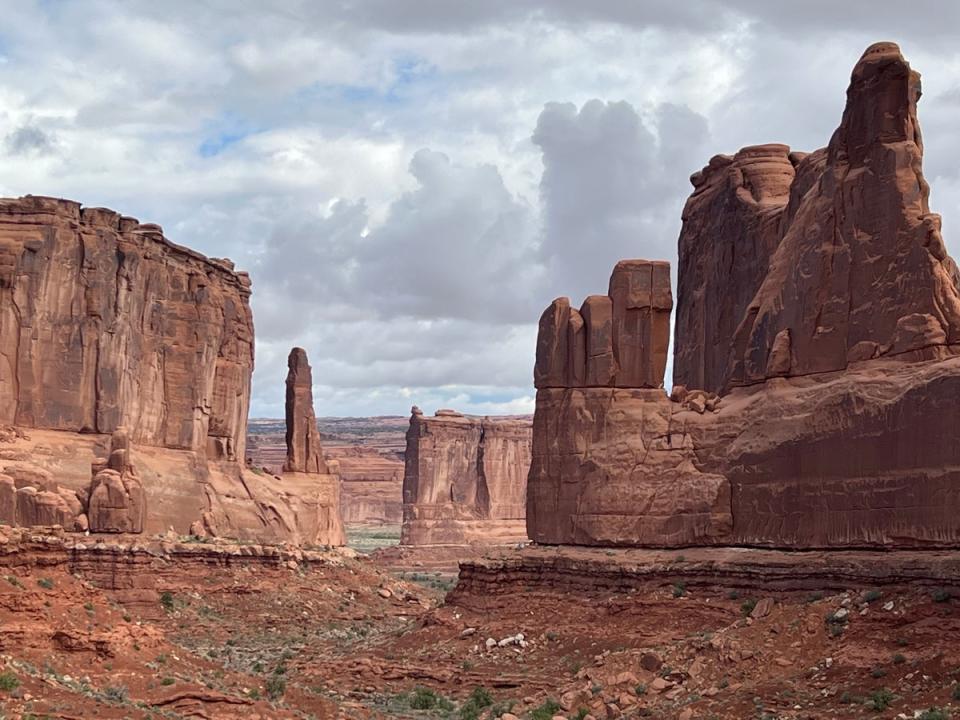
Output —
<point x="181" y="630"/>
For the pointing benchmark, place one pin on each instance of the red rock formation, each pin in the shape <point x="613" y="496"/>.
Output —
<point x="615" y="340"/>
<point x="839" y="428"/>
<point x="104" y="322"/>
<point x="861" y="271"/>
<point x="117" y="500"/>
<point x="371" y="489"/>
<point x="308" y="479"/>
<point x="465" y="479"/>
<point x="304" y="453"/>
<point x="731" y="227"/>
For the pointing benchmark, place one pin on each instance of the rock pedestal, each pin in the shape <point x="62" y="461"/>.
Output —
<point x="117" y="501"/>
<point x="312" y="483"/>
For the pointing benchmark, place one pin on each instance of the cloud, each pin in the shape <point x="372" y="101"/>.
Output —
<point x="29" y="140"/>
<point x="411" y="183"/>
<point x="612" y="187"/>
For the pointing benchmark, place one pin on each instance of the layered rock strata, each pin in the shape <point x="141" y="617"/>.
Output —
<point x="465" y="479"/>
<point x="836" y="425"/>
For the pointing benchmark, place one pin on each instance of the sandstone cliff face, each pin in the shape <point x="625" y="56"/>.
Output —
<point x="465" y="479"/>
<point x="104" y="322"/>
<point x="731" y="228"/>
<point x="837" y="424"/>
<point x="861" y="271"/>
<point x="371" y="489"/>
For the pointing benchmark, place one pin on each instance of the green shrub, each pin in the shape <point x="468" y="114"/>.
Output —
<point x="167" y="681"/>
<point x="747" y="606"/>
<point x="640" y="689"/>
<point x="546" y="711"/>
<point x="423" y="698"/>
<point x="934" y="714"/>
<point x="8" y="681"/>
<point x="166" y="599"/>
<point x="45" y="583"/>
<point x="115" y="693"/>
<point x="941" y="595"/>
<point x="871" y="596"/>
<point x="275" y="687"/>
<point x="479" y="700"/>
<point x="878" y="672"/>
<point x="899" y="659"/>
<point x="880" y="700"/>
<point x="679" y="590"/>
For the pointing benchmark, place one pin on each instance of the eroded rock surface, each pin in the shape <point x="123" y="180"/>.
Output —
<point x="104" y="322"/>
<point x="304" y="453"/>
<point x="117" y="501"/>
<point x="465" y="479"/>
<point x="817" y="298"/>
<point x="615" y="340"/>
<point x="312" y="484"/>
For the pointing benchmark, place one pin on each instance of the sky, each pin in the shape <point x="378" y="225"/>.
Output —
<point x="409" y="184"/>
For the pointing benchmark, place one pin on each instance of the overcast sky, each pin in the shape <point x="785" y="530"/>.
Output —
<point x="410" y="183"/>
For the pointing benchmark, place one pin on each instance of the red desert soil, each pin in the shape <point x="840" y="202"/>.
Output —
<point x="240" y="635"/>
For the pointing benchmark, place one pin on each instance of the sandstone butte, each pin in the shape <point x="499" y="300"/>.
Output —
<point x="125" y="366"/>
<point x="816" y="375"/>
<point x="465" y="480"/>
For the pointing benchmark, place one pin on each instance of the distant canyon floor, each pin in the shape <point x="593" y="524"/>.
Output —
<point x="173" y="629"/>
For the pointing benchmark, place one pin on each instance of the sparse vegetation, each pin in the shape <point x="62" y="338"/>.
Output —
<point x="8" y="681"/>
<point x="275" y="687"/>
<point x="546" y="711"/>
<point x="880" y="700"/>
<point x="167" y="681"/>
<point x="747" y="606"/>
<point x="941" y="595"/>
<point x="423" y="698"/>
<point x="115" y="693"/>
<point x="871" y="596"/>
<point x="479" y="700"/>
<point x="934" y="714"/>
<point x="899" y="659"/>
<point x="679" y="590"/>
<point x="45" y="583"/>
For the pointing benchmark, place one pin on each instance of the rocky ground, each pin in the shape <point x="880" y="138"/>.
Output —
<point x="185" y="630"/>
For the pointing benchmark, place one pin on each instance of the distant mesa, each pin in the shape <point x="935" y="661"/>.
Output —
<point x="815" y="361"/>
<point x="465" y="479"/>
